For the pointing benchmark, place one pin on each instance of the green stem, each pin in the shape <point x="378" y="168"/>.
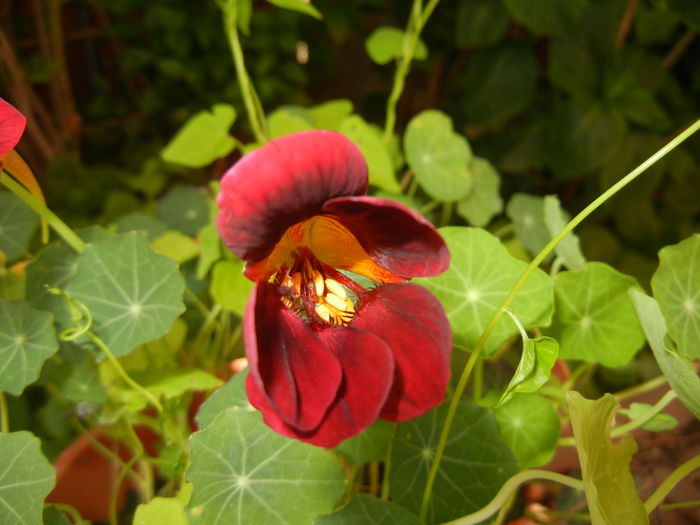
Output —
<point x="681" y="505"/>
<point x="250" y="100"/>
<point x="42" y="211"/>
<point x="4" y="414"/>
<point x="417" y="21"/>
<point x="671" y="481"/>
<point x="496" y="317"/>
<point x="509" y="487"/>
<point x="69" y="510"/>
<point x="122" y="373"/>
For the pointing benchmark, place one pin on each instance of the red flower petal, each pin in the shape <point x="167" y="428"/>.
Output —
<point x="12" y="124"/>
<point x="286" y="181"/>
<point x="292" y="368"/>
<point x="412" y="322"/>
<point x="394" y="236"/>
<point x="367" y="374"/>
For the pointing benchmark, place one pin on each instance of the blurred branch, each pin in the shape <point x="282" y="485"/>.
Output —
<point x="678" y="49"/>
<point x="626" y="23"/>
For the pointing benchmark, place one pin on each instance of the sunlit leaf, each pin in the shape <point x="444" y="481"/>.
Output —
<point x="133" y="293"/>
<point x="178" y="246"/>
<point x="569" y="248"/>
<point x="243" y="472"/>
<point x="27" y="339"/>
<point x="161" y="511"/>
<point x="680" y="373"/>
<point x="300" y="6"/>
<point x="475" y="464"/>
<point x="438" y="156"/>
<point x="26" y="478"/>
<point x="660" y="422"/>
<point x="203" y="139"/>
<point x="529" y="425"/>
<point x="288" y="119"/>
<point x="534" y="368"/>
<point x="231" y="394"/>
<point x="610" y="489"/>
<point x="17" y="224"/>
<point x="329" y="115"/>
<point x="388" y="43"/>
<point x="594" y="319"/>
<point x="229" y="287"/>
<point x="364" y="508"/>
<point x="480" y="275"/>
<point x="676" y="286"/>
<point x="484" y="200"/>
<point x="527" y="214"/>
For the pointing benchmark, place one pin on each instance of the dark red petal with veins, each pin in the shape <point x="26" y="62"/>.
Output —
<point x="12" y="124"/>
<point x="284" y="182"/>
<point x="293" y="369"/>
<point x="395" y="237"/>
<point x="413" y="323"/>
<point x="367" y="374"/>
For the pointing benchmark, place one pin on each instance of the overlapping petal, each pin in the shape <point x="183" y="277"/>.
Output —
<point x="295" y="372"/>
<point x="12" y="124"/>
<point x="284" y="182"/>
<point x="413" y="323"/>
<point x="394" y="236"/>
<point x="368" y="369"/>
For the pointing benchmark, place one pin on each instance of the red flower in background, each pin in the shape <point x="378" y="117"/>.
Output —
<point x="12" y="124"/>
<point x="327" y="354"/>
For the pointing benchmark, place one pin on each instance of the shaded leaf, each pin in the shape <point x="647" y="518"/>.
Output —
<point x="480" y="23"/>
<point x="298" y="5"/>
<point x="569" y="249"/>
<point x="534" y="368"/>
<point x="229" y="287"/>
<point x="364" y="508"/>
<point x="231" y="394"/>
<point x="484" y="200"/>
<point x="527" y="214"/>
<point x="184" y="209"/>
<point x="17" y="224"/>
<point x="369" y="445"/>
<point x="288" y="119"/>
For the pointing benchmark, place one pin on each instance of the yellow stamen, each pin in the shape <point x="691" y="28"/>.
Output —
<point x="318" y="283"/>
<point x="335" y="287"/>
<point x="323" y="312"/>
<point x="335" y="301"/>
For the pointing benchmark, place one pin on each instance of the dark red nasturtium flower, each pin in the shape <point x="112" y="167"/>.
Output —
<point x="329" y="354"/>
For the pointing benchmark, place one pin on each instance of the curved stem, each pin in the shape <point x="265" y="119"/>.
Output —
<point x="671" y="481"/>
<point x="45" y="213"/>
<point x="496" y="317"/>
<point x="509" y="487"/>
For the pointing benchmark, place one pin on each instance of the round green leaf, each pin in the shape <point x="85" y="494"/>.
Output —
<point x="594" y="319"/>
<point x="527" y="214"/>
<point x="232" y="394"/>
<point x="160" y="511"/>
<point x="203" y="139"/>
<point x="185" y="210"/>
<point x="676" y="287"/>
<point x="387" y="43"/>
<point x="329" y="115"/>
<point x="438" y="156"/>
<point x="530" y="426"/>
<point x="364" y="508"/>
<point x="484" y="200"/>
<point x="480" y="275"/>
<point x="475" y="464"/>
<point x="133" y="293"/>
<point x="141" y="222"/>
<point x="27" y="339"/>
<point x="244" y="473"/>
<point x="369" y="445"/>
<point x="229" y="287"/>
<point x="26" y="478"/>
<point x="17" y="223"/>
<point x="288" y="119"/>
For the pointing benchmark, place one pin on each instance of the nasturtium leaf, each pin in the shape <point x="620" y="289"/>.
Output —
<point x="54" y="265"/>
<point x="388" y="43"/>
<point x="133" y="293"/>
<point x="27" y="339"/>
<point x="534" y="368"/>
<point x="159" y="353"/>
<point x="569" y="249"/>
<point x="529" y="425"/>
<point x="26" y="478"/>
<point x="161" y="511"/>
<point x="376" y="153"/>
<point x="681" y="375"/>
<point x="53" y="516"/>
<point x="364" y="508"/>
<point x="209" y="244"/>
<point x="676" y="287"/>
<point x="498" y="83"/>
<point x="484" y="200"/>
<point x="572" y="67"/>
<point x="474" y="466"/>
<point x="300" y="6"/>
<point x="288" y="119"/>
<point x="438" y="156"/>
<point x="638" y="105"/>
<point x="527" y="214"/>
<point x="203" y="139"/>
<point x="660" y="422"/>
<point x="184" y="209"/>
<point x="480" y="23"/>
<point x="229" y="287"/>
<point x="479" y="278"/>
<point x="74" y="374"/>
<point x="243" y="472"/>
<point x="12" y="280"/>
<point x="141" y="222"/>
<point x="609" y="485"/>
<point x="17" y="224"/>
<point x="178" y="246"/>
<point x="594" y="319"/>
<point x="231" y="394"/>
<point x="329" y="115"/>
<point x="371" y="444"/>
<point x="582" y="135"/>
<point x="546" y="17"/>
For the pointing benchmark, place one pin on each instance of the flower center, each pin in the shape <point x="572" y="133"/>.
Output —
<point x="318" y="292"/>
